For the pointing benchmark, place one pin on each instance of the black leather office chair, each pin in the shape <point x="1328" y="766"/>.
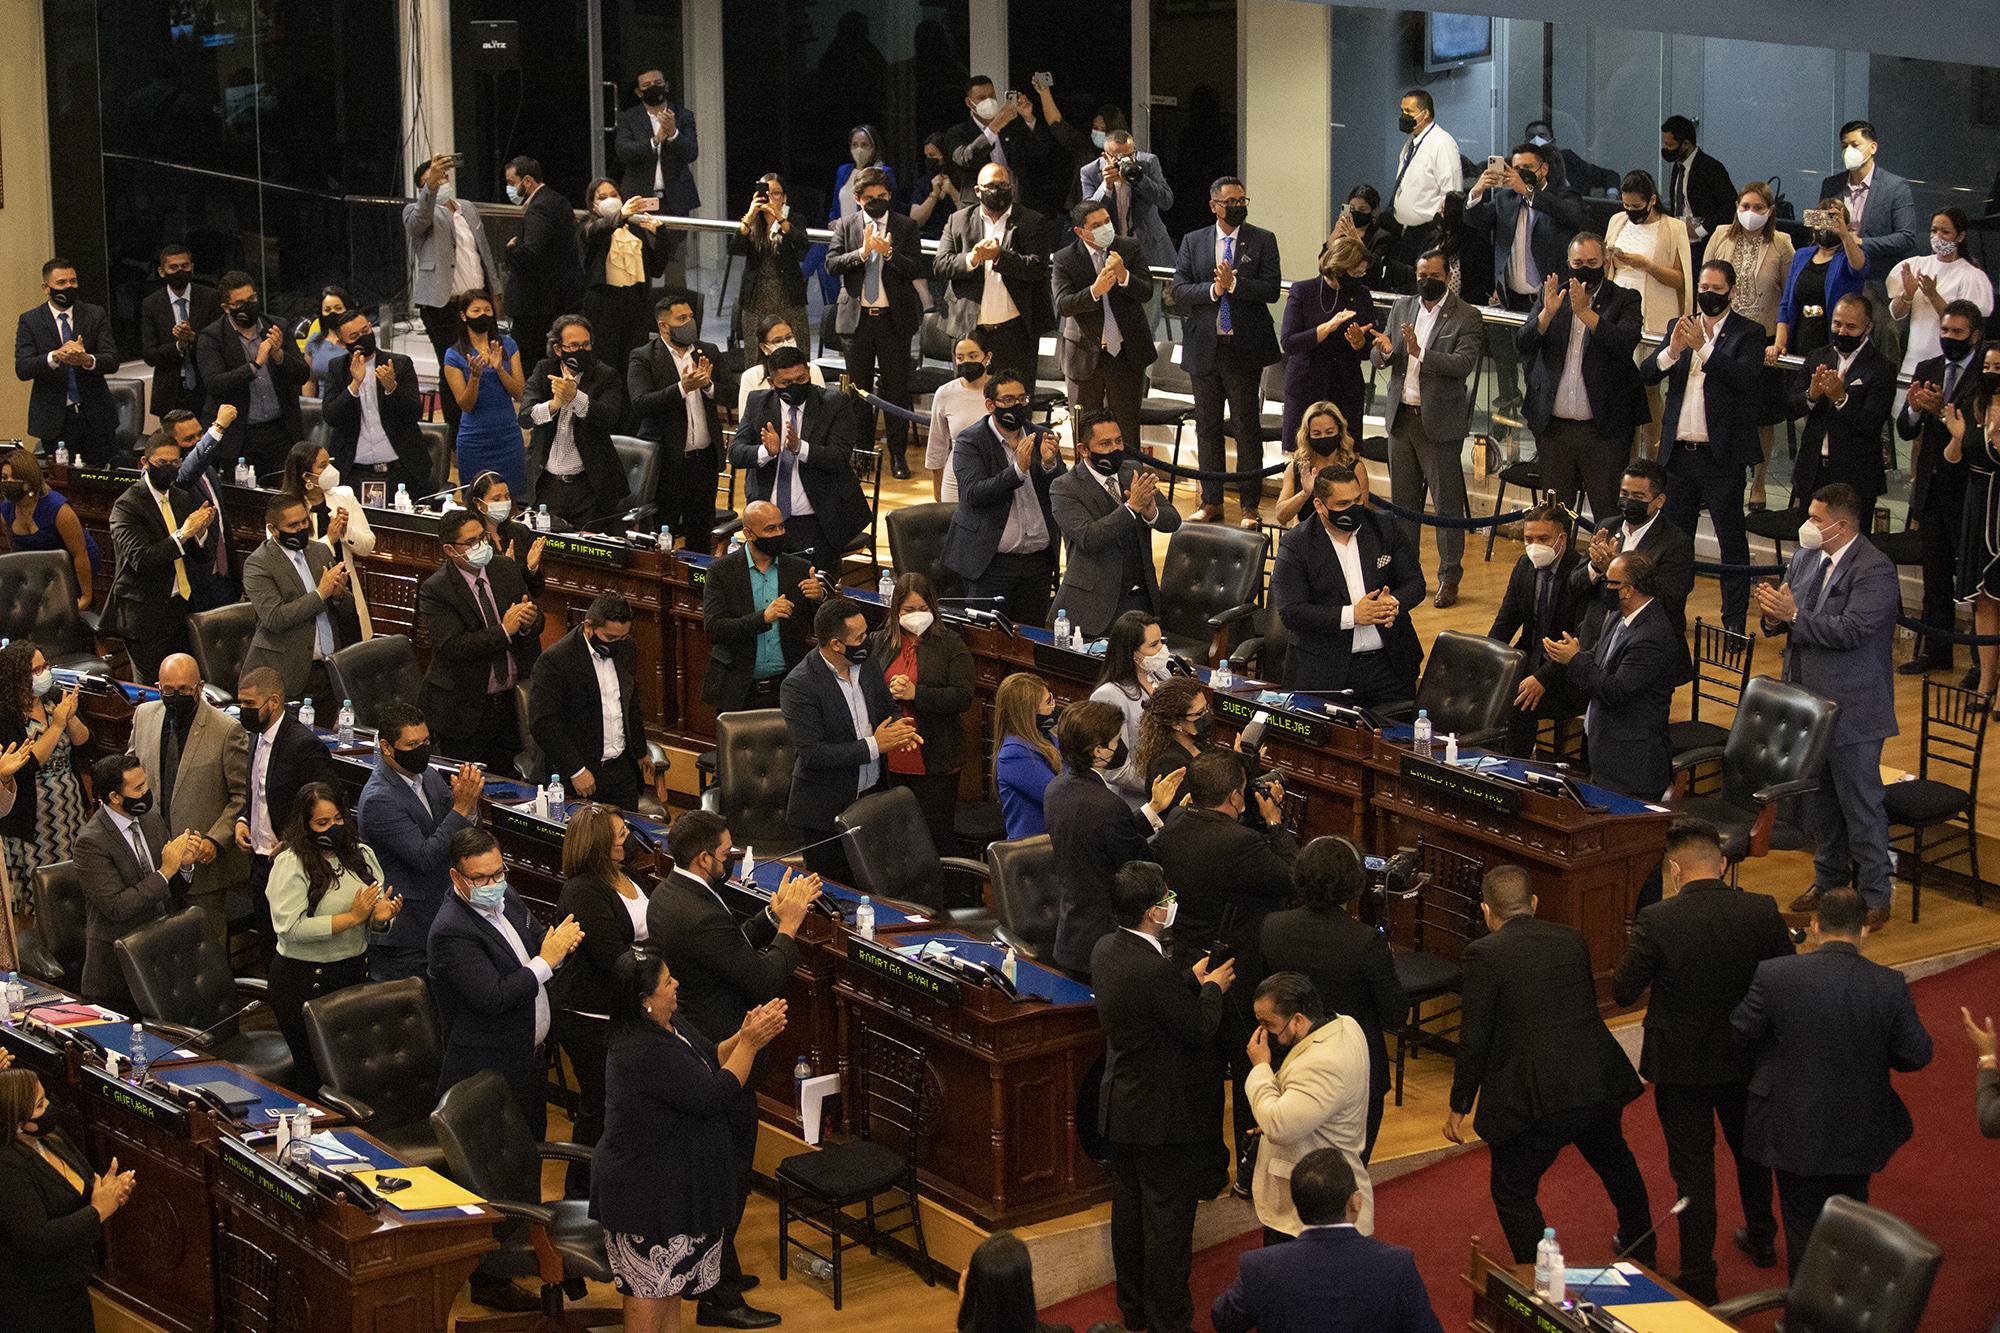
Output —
<point x="374" y="672"/>
<point x="641" y="461"/>
<point x="490" y="1151"/>
<point x="219" y="639"/>
<point x="53" y="948"/>
<point x="753" y="779"/>
<point x="916" y="544"/>
<point x="892" y="855"/>
<point x="1027" y="892"/>
<point x="934" y="368"/>
<point x="129" y="396"/>
<point x="437" y="435"/>
<point x="1864" y="1271"/>
<point x="312" y="420"/>
<point x="1776" y="526"/>
<point x="528" y="763"/>
<point x="180" y="983"/>
<point x="38" y="592"/>
<point x="378" y="1053"/>
<point x="1262" y="655"/>
<point x="1527" y="476"/>
<point x="1209" y="588"/>
<point x="859" y="555"/>
<point x="1468" y="686"/>
<point x="1776" y="749"/>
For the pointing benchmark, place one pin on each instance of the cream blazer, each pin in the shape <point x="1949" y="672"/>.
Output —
<point x="1658" y="307"/>
<point x="1317" y="1099"/>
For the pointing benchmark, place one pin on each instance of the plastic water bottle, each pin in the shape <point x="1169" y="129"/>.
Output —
<point x="136" y="1050"/>
<point x="885" y="587"/>
<point x="306" y="713"/>
<point x="17" y="995"/>
<point x="557" y="797"/>
<point x="1010" y="967"/>
<point x="812" y="1266"/>
<point x="245" y="474"/>
<point x="7" y="1002"/>
<point x="1550" y="1278"/>
<point x="802" y="1069"/>
<point x="62" y="455"/>
<point x="1062" y="629"/>
<point x="345" y="726"/>
<point x="1421" y="732"/>
<point x="542" y="519"/>
<point x="864" y="919"/>
<point x="1222" y="677"/>
<point x="404" y="505"/>
<point x="667" y="538"/>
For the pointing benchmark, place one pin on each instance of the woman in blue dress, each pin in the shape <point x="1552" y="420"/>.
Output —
<point x="39" y="519"/>
<point x="322" y="348"/>
<point x="483" y="372"/>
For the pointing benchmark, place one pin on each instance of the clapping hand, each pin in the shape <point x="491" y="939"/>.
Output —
<point x="770" y="439"/>
<point x="1358" y="335"/>
<point x="109" y="1191"/>
<point x="562" y="388"/>
<point x="1161" y="794"/>
<point x="1331" y="326"/>
<point x="12" y="759"/>
<point x="1561" y="650"/>
<point x="1926" y="397"/>
<point x="1983" y="1039"/>
<point x="1144" y="495"/>
<point x="1775" y="602"/>
<point x="762" y="1025"/>
<point x="387" y="906"/>
<point x="1686" y="335"/>
<point x="1409" y="340"/>
<point x="518" y="616"/>
<point x="385" y="376"/>
<point x="560" y="941"/>
<point x="1603" y="546"/>
<point x="1377" y="608"/>
<point x="795" y="894"/>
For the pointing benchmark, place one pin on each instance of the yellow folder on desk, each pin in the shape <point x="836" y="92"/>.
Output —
<point x="1668" y="1317"/>
<point x="427" y="1189"/>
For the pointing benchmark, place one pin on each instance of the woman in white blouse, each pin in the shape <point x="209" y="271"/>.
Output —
<point x="1647" y="251"/>
<point x="773" y="332"/>
<point x="1921" y="287"/>
<point x="958" y="403"/>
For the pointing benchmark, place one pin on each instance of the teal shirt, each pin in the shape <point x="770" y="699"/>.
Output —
<point x="770" y="647"/>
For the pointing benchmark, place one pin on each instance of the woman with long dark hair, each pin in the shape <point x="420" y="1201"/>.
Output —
<point x="996" y="1292"/>
<point x="52" y="1212"/>
<point x="48" y="809"/>
<point x="929" y="672"/>
<point x="772" y="245"/>
<point x="482" y="372"/>
<point x="1135" y="664"/>
<point x="619" y="238"/>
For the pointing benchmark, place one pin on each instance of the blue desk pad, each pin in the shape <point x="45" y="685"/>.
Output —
<point x="1638" y="1289"/>
<point x="765" y="876"/>
<point x="1032" y="980"/>
<point x="269" y="1099"/>
<point x="117" y="1038"/>
<point x="1613" y="802"/>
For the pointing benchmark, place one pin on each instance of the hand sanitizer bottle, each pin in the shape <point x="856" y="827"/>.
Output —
<point x="1451" y="747"/>
<point x="62" y="454"/>
<point x="404" y="505"/>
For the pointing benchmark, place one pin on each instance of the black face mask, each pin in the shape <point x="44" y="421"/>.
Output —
<point x="161" y="475"/>
<point x="580" y="360"/>
<point x="1015" y="417"/>
<point x="138" y="805"/>
<point x="1587" y="274"/>
<point x="654" y="96"/>
<point x="1826" y="240"/>
<point x="414" y="760"/>
<point x="1105" y="465"/>
<point x="997" y="198"/>
<point x="1345" y="520"/>
<point x="970" y="370"/>
<point x="293" y="541"/>
<point x="1989" y="380"/>
<point x="1204" y="725"/>
<point x="1364" y="221"/>
<point x="1406" y="122"/>
<point x="1118" y="755"/>
<point x="1046" y="723"/>
<point x="180" y="708"/>
<point x="1847" y="344"/>
<point x="769" y="547"/>
<point x="1233" y="214"/>
<point x="857" y="653"/>
<point x="1670" y="154"/>
<point x="177" y="281"/>
<point x="1431" y="289"/>
<point x="62" y="297"/>
<point x="1955" y="349"/>
<point x="1711" y="303"/>
<point x="13" y="491"/>
<point x="876" y="207"/>
<point x="1323" y="445"/>
<point x="482" y="324"/>
<point x="247" y="314"/>
<point x="794" y="395"/>
<point x="365" y="345"/>
<point x="601" y="648"/>
<point x="1638" y="215"/>
<point x="326" y="840"/>
<point x="1635" y="511"/>
<point x="681" y="335"/>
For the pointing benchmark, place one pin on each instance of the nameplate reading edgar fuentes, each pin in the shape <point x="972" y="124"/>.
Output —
<point x="901" y="970"/>
<point x="601" y="552"/>
<point x="1461" y="786"/>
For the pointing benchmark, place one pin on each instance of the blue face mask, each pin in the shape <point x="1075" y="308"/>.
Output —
<point x="490" y="896"/>
<point x="513" y="194"/>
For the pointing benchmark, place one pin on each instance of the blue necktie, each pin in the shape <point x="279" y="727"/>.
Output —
<point x="1222" y="320"/>
<point x="1114" y="341"/>
<point x="187" y="360"/>
<point x="63" y="331"/>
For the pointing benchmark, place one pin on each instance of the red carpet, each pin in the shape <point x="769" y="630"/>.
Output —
<point x="1945" y="1182"/>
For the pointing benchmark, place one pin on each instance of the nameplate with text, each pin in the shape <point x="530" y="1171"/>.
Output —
<point x="106" y="476"/>
<point x="31" y="1052"/>
<point x="1292" y="726"/>
<point x="139" y="1103"/>
<point x="596" y="550"/>
<point x="895" y="967"/>
<point x="1459" y="785"/>
<point x="1524" y="1311"/>
<point x="1065" y="661"/>
<point x="260" y="1173"/>
<point x="527" y="825"/>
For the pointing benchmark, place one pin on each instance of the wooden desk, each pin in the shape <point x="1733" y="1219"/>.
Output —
<point x="1504" y="1301"/>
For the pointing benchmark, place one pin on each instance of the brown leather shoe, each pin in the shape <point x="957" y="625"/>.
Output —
<point x="1878" y="920"/>
<point x="1805" y="902"/>
<point x="1447" y="595"/>
<point x="1208" y="514"/>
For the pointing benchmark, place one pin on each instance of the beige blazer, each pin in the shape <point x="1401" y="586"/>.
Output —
<point x="1659" y="304"/>
<point x="1317" y="1099"/>
<point x="210" y="785"/>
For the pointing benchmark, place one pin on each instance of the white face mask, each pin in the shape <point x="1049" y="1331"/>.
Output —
<point x="985" y="109"/>
<point x="1102" y="235"/>
<point x="1751" y="220"/>
<point x="42" y="682"/>
<point x="916" y="622"/>
<point x="1173" y="909"/>
<point x="447" y="193"/>
<point x="1942" y="248"/>
<point x="1540" y="555"/>
<point x="783" y="342"/>
<point x="609" y="206"/>
<point x="1852" y="157"/>
<point x="1155" y="663"/>
<point x="499" y="510"/>
<point x="1810" y="537"/>
<point x="1097" y="137"/>
<point x="862" y="156"/>
<point x="328" y="478"/>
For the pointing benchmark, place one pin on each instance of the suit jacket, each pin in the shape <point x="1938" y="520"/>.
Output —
<point x="584" y="984"/>
<point x="485" y="994"/>
<point x="1072" y="271"/>
<point x="1309" y="592"/>
<point x="159" y="349"/>
<point x="1531" y="1041"/>
<point x="1351" y="969"/>
<point x="1735" y="375"/>
<point x="826" y="754"/>
<point x="966" y="149"/>
<point x="734" y="621"/>
<point x="35" y="336"/>
<point x="944" y="694"/>
<point x="1843" y="647"/>
<point x="1826" y="1028"/>
<point x="412" y="842"/>
<point x="1151" y="196"/>
<point x="1342" y="1282"/>
<point x="566" y="711"/>
<point x="1698" y="952"/>
<point x="1630" y="675"/>
<point x="1556" y="213"/>
<point x="226" y="375"/>
<point x="434" y="241"/>
<point x="1158" y="1024"/>
<point x="141" y="602"/>
<point x="1023" y="263"/>
<point x="52" y="1228"/>
<point x="640" y="160"/>
<point x="900" y="272"/>
<point x="544" y="269"/>
<point x="1457" y="339"/>
<point x="208" y="789"/>
<point x="1931" y="474"/>
<point x="591" y="433"/>
<point x="727" y="968"/>
<point x="1092" y="832"/>
<point x="400" y="413"/>
<point x="1519" y="623"/>
<point x="464" y="648"/>
<point x="984" y="465"/>
<point x="1890" y="225"/>
<point x="1110" y="547"/>
<point x="1672" y="554"/>
<point x="120" y="895"/>
<point x="830" y="428"/>
<point x="1317" y="1098"/>
<point x="1257" y="284"/>
<point x="657" y="408"/>
<point x="1229" y="877"/>
<point x="1610" y="381"/>
<point x="288" y="611"/>
<point x="298" y="758"/>
<point x="1705" y="183"/>
<point x="1850" y="434"/>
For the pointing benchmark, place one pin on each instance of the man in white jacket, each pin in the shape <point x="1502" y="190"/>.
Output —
<point x="1318" y="1099"/>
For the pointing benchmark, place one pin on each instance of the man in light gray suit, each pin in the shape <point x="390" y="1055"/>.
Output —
<point x="130" y="870"/>
<point x="1427" y="413"/>
<point x="1839" y="604"/>
<point x="198" y="760"/>
<point x="1108" y="506"/>
<point x="304" y="609"/>
<point x="1132" y="185"/>
<point x="452" y="257"/>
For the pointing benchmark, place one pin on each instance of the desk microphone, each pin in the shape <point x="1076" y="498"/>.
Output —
<point x="972" y="601"/>
<point x="203" y="1037"/>
<point x="822" y="904"/>
<point x="1675" y="1210"/>
<point x="993" y="618"/>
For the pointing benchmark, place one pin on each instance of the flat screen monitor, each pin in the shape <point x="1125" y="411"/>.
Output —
<point x="1453" y="40"/>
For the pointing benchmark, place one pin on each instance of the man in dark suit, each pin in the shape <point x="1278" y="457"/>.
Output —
<point x="756" y="606"/>
<point x="1342" y="579"/>
<point x="1101" y="290"/>
<point x="656" y="148"/>
<point x="1107" y="506"/>
<point x="794" y="444"/>
<point x="1698" y="952"/>
<point x="842" y="722"/>
<point x="1838" y="608"/>
<point x="1159" y="1020"/>
<point x="408" y="813"/>
<point x="372" y="405"/>
<point x="305" y="611"/>
<point x="1845" y="398"/>
<point x="578" y="686"/>
<point x="1529" y="214"/>
<point x="160" y="543"/>
<point x="993" y="133"/>
<point x="1698" y="188"/>
<point x="1541" y="602"/>
<point x="544" y="267"/>
<point x="1003" y="535"/>
<point x="1825" y="1029"/>
<point x="170" y="320"/>
<point x="1348" y="962"/>
<point x="1092" y="831"/>
<point x="199" y="477"/>
<point x="130" y="870"/>
<point x="727" y="968"/>
<point x="1937" y="485"/>
<point x="64" y="349"/>
<point x="878" y="257"/>
<point x="285" y="758"/>
<point x="1641" y="527"/>
<point x="1335" y="1280"/>
<point x="992" y="273"/>
<point x="1713" y="363"/>
<point x="1583" y="408"/>
<point x="1547" y="1073"/>
<point x="246" y="361"/>
<point x="485" y="633"/>
<point x="1225" y="280"/>
<point x="573" y="405"/>
<point x="670" y="387"/>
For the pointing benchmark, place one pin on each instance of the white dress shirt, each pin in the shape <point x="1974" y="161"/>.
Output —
<point x="659" y="118"/>
<point x="857" y="712"/>
<point x="1426" y="325"/>
<point x="372" y="444"/>
<point x="1857" y="197"/>
<point x="1522" y="276"/>
<point x="1367" y="638"/>
<point x="1692" y="425"/>
<point x="1027" y="531"/>
<point x="1572" y="396"/>
<point x="697" y="409"/>
<point x="995" y="305"/>
<point x="564" y="459"/>
<point x="611" y="705"/>
<point x="1433" y="171"/>
<point x="263" y="838"/>
<point x="467" y="273"/>
<point x="794" y="418"/>
<point x="497" y="918"/>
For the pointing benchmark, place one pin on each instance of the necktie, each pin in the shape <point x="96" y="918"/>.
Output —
<point x="1613" y="635"/>
<point x="871" y="279"/>
<point x="1818" y="597"/>
<point x="1543" y="583"/>
<point x="1674" y="190"/>
<point x="1534" y="275"/>
<point x="1950" y="380"/>
<point x="182" y="588"/>
<point x="139" y="846"/>
<point x="1403" y="167"/>
<point x="1222" y="320"/>
<point x="63" y="327"/>
<point x="503" y="670"/>
<point x="1114" y="341"/>
<point x="187" y="361"/>
<point x="785" y="463"/>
